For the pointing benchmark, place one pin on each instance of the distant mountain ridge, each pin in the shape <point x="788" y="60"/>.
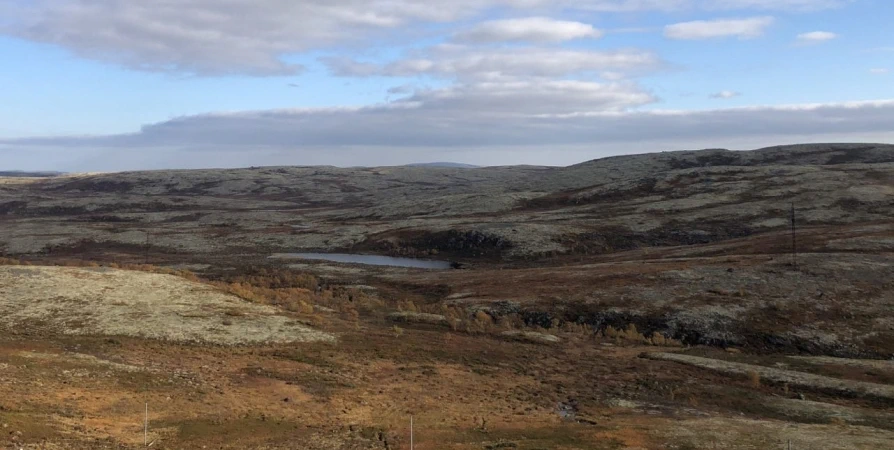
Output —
<point x="23" y="174"/>
<point x="445" y="164"/>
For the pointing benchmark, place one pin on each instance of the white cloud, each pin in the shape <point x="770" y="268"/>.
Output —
<point x="815" y="37"/>
<point x="529" y="98"/>
<point x="708" y="29"/>
<point x="530" y="29"/>
<point x="213" y="37"/>
<point x="725" y="94"/>
<point x="789" y="5"/>
<point x="879" y="71"/>
<point x="612" y="76"/>
<point x="495" y="63"/>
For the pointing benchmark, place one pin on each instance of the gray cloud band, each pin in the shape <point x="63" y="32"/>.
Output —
<point x="453" y="123"/>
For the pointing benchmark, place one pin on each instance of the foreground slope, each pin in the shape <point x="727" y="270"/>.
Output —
<point x="468" y="388"/>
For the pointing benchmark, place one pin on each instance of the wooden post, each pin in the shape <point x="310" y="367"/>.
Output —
<point x="411" y="433"/>
<point x="146" y="427"/>
<point x="794" y="240"/>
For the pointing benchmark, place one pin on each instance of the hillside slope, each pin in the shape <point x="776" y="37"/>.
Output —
<point x="513" y="212"/>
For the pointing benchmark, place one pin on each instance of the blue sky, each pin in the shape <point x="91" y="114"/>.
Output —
<point x="126" y="84"/>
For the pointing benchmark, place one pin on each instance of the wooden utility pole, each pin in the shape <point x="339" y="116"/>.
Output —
<point x="794" y="240"/>
<point x="146" y="427"/>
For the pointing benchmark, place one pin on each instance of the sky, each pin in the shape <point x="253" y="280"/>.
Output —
<point x="107" y="85"/>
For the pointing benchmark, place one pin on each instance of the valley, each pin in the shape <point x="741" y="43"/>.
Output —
<point x="651" y="301"/>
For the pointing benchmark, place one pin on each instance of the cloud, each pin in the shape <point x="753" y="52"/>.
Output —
<point x="401" y="90"/>
<point x="709" y="29"/>
<point x="499" y="120"/>
<point x="534" y="98"/>
<point x="494" y="63"/>
<point x="815" y="37"/>
<point x="879" y="71"/>
<point x="725" y="95"/>
<point x="256" y="37"/>
<point x="531" y="29"/>
<point x="786" y="5"/>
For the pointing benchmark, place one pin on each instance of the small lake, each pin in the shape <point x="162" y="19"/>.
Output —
<point x="370" y="260"/>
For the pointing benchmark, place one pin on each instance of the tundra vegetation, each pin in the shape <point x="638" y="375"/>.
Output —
<point x="636" y="302"/>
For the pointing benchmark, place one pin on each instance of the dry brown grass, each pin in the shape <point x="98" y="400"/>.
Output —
<point x="291" y="299"/>
<point x="757" y="374"/>
<point x="632" y="335"/>
<point x="377" y="374"/>
<point x="269" y="278"/>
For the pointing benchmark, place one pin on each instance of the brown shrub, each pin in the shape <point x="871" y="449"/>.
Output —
<point x="273" y="278"/>
<point x="483" y="322"/>
<point x="351" y="313"/>
<point x="754" y="379"/>
<point x="577" y="328"/>
<point x="837" y="421"/>
<point x="298" y="306"/>
<point x="317" y="321"/>
<point x="188" y="275"/>
<point x="661" y="340"/>
<point x="305" y="308"/>
<point x="632" y="334"/>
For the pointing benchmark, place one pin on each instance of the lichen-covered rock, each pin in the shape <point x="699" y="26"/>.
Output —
<point x="531" y="336"/>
